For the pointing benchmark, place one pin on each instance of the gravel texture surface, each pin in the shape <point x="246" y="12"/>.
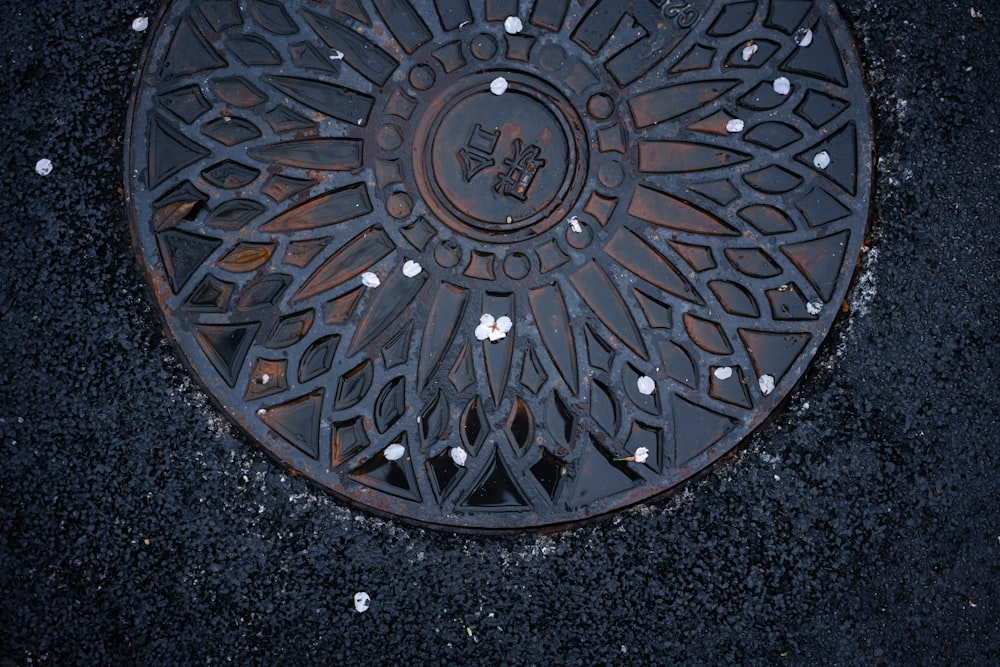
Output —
<point x="860" y="527"/>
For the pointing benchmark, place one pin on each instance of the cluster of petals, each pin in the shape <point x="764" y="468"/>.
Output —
<point x="493" y="329"/>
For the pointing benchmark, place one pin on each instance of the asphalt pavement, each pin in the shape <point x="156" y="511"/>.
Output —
<point x="860" y="527"/>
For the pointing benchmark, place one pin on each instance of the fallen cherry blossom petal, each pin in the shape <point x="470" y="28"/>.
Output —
<point x="646" y="385"/>
<point x="140" y="24"/>
<point x="735" y="125"/>
<point x="814" y="307"/>
<point x="369" y="279"/>
<point x="574" y="224"/>
<point x="362" y="601"/>
<point x="766" y="383"/>
<point x="821" y="160"/>
<point x="782" y="85"/>
<point x="498" y="86"/>
<point x="513" y="25"/>
<point x="749" y="50"/>
<point x="394" y="452"/>
<point x="43" y="167"/>
<point x="723" y="372"/>
<point x="493" y="329"/>
<point x="459" y="456"/>
<point x="411" y="268"/>
<point x="337" y="55"/>
<point x="641" y="454"/>
<point x="804" y="37"/>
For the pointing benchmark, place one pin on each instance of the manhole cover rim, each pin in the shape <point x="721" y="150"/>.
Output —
<point x="411" y="512"/>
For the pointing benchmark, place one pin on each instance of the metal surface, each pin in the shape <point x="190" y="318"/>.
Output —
<point x="640" y="200"/>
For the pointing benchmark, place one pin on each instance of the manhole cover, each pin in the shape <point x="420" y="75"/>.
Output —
<point x="499" y="264"/>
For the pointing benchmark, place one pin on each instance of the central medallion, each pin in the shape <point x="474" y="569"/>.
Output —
<point x="500" y="167"/>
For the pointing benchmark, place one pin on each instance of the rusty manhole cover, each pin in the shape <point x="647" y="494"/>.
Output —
<point x="487" y="273"/>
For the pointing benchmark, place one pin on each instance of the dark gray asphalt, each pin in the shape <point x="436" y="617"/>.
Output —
<point x="861" y="527"/>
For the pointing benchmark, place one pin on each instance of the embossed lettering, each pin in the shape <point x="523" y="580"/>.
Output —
<point x="522" y="167"/>
<point x="475" y="156"/>
<point x="683" y="13"/>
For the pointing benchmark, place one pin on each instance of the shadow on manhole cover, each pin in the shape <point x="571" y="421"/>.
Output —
<point x="499" y="264"/>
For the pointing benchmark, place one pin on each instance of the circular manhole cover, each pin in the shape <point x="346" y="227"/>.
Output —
<point x="482" y="275"/>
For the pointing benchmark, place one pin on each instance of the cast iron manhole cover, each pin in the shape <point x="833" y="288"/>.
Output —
<point x="499" y="264"/>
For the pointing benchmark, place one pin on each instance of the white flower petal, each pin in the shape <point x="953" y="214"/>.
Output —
<point x="337" y="55"/>
<point x="486" y="319"/>
<point x="749" y="50"/>
<point x="394" y="452"/>
<point x="646" y="385"/>
<point x="361" y="602"/>
<point x="574" y="224"/>
<point x="641" y="454"/>
<point x="821" y="160"/>
<point x="411" y="268"/>
<point x="735" y="125"/>
<point x="723" y="372"/>
<point x="483" y="331"/>
<point x="766" y="383"/>
<point x="803" y="37"/>
<point x="459" y="456"/>
<point x="814" y="307"/>
<point x="496" y="334"/>
<point x="498" y="86"/>
<point x="504" y="324"/>
<point x="513" y="25"/>
<point x="43" y="167"/>
<point x="782" y="85"/>
<point x="369" y="279"/>
<point x="140" y="24"/>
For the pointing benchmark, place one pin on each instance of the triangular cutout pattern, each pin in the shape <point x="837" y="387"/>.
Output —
<point x="189" y="52"/>
<point x="819" y="260"/>
<point x="496" y="489"/>
<point x="696" y="429"/>
<point x="297" y="421"/>
<point x="841" y="146"/>
<point x="773" y="353"/>
<point x="168" y="151"/>
<point x="183" y="254"/>
<point x="393" y="477"/>
<point x="226" y="346"/>
<point x="821" y="59"/>
<point x="599" y="477"/>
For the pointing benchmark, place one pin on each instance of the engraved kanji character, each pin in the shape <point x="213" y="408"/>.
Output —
<point x="522" y="167"/>
<point x="475" y="156"/>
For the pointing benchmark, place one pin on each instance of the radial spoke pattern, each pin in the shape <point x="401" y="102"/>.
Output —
<point x="485" y="279"/>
